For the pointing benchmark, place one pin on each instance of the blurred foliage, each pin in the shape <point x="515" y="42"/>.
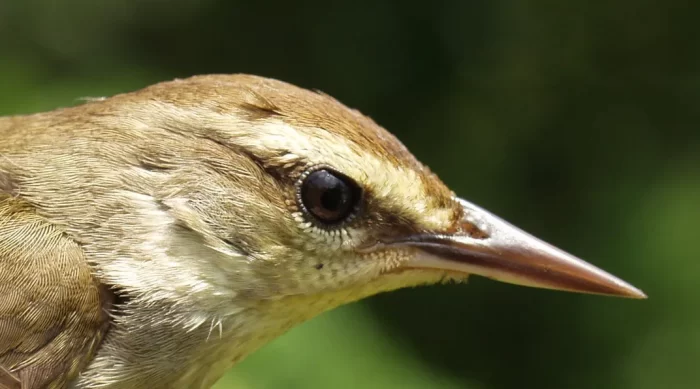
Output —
<point x="577" y="121"/>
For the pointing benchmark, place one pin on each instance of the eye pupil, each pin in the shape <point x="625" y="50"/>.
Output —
<point x="328" y="196"/>
<point x="333" y="199"/>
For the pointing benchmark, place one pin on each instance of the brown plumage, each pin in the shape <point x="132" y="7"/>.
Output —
<point x="53" y="314"/>
<point x="155" y="238"/>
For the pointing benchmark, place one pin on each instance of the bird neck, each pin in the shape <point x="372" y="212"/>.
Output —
<point x="186" y="350"/>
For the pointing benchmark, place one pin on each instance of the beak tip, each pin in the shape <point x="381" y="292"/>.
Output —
<point x="610" y="285"/>
<point x="635" y="293"/>
<point x="624" y="290"/>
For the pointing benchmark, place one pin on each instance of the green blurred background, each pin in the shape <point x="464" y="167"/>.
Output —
<point x="577" y="121"/>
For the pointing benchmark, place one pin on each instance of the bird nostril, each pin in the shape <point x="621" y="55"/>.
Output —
<point x="472" y="230"/>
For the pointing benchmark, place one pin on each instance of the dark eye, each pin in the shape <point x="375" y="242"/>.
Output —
<point x="328" y="196"/>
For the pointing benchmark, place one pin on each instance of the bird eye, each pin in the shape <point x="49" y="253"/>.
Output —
<point x="329" y="196"/>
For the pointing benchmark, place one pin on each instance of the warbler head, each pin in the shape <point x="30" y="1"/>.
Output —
<point x="301" y="196"/>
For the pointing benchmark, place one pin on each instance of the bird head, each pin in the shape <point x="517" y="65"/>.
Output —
<point x="299" y="195"/>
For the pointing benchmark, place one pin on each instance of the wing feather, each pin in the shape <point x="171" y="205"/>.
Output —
<point x="53" y="312"/>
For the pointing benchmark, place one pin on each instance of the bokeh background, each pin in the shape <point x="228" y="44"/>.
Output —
<point x="577" y="121"/>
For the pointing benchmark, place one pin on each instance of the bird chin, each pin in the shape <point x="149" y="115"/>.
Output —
<point x="425" y="276"/>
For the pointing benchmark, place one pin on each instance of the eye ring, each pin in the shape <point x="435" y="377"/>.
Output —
<point x="327" y="197"/>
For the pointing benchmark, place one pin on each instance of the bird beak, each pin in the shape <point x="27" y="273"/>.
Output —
<point x="503" y="252"/>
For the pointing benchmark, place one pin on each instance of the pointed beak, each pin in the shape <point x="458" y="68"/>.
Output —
<point x="488" y="246"/>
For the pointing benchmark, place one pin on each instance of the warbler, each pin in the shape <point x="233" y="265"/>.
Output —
<point x="153" y="239"/>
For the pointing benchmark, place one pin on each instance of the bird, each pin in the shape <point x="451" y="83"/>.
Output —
<point x="153" y="239"/>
